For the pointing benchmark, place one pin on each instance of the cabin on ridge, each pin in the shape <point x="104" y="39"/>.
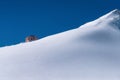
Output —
<point x="31" y="38"/>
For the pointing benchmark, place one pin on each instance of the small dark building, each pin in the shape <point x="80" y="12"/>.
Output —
<point x="31" y="38"/>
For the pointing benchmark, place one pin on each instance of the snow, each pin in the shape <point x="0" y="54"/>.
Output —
<point x="90" y="52"/>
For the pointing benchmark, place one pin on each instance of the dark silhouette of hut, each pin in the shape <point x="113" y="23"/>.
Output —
<point x="31" y="38"/>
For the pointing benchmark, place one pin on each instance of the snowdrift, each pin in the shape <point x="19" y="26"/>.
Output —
<point x="90" y="52"/>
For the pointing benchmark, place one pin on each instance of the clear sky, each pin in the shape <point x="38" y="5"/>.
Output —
<point x="20" y="18"/>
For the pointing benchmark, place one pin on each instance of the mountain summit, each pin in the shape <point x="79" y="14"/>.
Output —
<point x="116" y="21"/>
<point x="112" y="19"/>
<point x="90" y="52"/>
<point x="114" y="12"/>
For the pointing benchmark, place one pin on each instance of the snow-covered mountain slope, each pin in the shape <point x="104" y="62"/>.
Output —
<point x="90" y="52"/>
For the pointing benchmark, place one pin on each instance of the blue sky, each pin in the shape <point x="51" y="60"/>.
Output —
<point x="42" y="18"/>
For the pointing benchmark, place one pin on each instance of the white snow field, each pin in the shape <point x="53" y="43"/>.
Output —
<point x="90" y="52"/>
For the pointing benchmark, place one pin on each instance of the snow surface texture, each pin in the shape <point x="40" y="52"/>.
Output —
<point x="90" y="52"/>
